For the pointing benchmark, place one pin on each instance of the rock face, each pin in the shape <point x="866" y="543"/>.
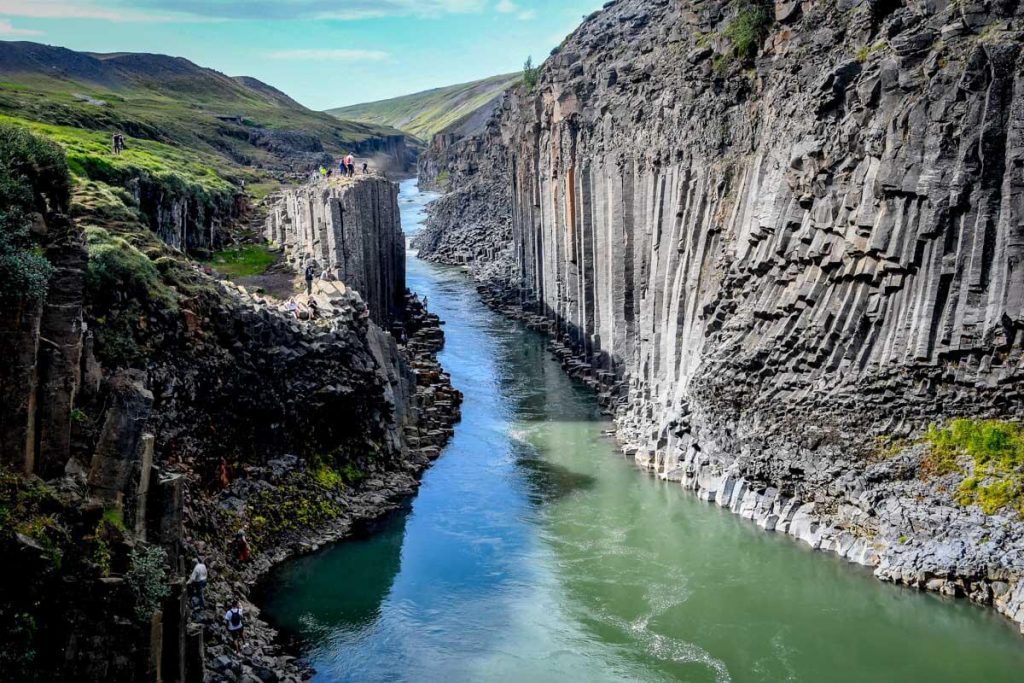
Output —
<point x="143" y="408"/>
<point x="767" y="266"/>
<point x="350" y="228"/>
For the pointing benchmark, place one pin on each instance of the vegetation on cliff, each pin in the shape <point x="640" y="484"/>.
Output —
<point x="991" y="455"/>
<point x="33" y="181"/>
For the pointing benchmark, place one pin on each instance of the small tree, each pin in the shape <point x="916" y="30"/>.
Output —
<point x="531" y="74"/>
<point x="148" y="580"/>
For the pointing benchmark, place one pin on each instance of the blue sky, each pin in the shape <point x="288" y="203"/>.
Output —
<point x="324" y="53"/>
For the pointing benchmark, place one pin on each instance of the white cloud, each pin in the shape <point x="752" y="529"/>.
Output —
<point x="85" y="9"/>
<point x="510" y="7"/>
<point x="331" y="55"/>
<point x="6" y="29"/>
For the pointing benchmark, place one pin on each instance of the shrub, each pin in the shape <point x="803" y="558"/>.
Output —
<point x="531" y="74"/>
<point x="750" y="27"/>
<point x="33" y="179"/>
<point x="147" y="577"/>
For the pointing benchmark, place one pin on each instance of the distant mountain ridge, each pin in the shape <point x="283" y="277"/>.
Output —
<point x="429" y="112"/>
<point x="174" y="101"/>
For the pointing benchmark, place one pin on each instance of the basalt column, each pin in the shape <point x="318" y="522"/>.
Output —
<point x="351" y="229"/>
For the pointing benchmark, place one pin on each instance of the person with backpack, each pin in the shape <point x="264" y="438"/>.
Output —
<point x="236" y="625"/>
<point x="198" y="581"/>
<point x="310" y="274"/>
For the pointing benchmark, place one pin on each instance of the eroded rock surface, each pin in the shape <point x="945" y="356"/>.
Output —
<point x="767" y="267"/>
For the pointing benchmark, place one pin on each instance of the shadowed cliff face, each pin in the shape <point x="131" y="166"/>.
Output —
<point x="772" y="264"/>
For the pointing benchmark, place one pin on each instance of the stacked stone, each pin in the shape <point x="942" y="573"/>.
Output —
<point x="775" y="267"/>
<point x="350" y="228"/>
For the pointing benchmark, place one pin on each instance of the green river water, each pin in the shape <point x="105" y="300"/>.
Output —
<point x="535" y="552"/>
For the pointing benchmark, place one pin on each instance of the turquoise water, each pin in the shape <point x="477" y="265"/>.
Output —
<point x="535" y="552"/>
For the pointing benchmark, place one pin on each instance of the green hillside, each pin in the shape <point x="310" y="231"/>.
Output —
<point x="233" y="124"/>
<point x="426" y="113"/>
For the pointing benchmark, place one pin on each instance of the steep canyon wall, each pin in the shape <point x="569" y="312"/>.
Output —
<point x="351" y="229"/>
<point x="148" y="408"/>
<point x="771" y="262"/>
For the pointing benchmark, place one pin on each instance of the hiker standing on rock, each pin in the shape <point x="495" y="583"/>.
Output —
<point x="236" y="626"/>
<point x="198" y="581"/>
<point x="310" y="274"/>
<point x="350" y="165"/>
<point x="366" y="168"/>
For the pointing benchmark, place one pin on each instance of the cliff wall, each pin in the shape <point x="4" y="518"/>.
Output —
<point x="149" y="413"/>
<point x="350" y="228"/>
<point x="779" y="261"/>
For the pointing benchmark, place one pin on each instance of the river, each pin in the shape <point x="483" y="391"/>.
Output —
<point x="535" y="552"/>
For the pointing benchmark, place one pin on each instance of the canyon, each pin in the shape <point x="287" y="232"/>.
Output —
<point x="777" y="266"/>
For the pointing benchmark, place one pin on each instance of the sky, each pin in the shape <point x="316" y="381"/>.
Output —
<point x="324" y="53"/>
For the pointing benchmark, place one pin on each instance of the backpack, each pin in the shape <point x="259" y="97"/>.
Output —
<point x="236" y="618"/>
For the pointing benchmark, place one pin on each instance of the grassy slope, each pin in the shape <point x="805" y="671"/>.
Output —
<point x="426" y="113"/>
<point x="168" y="108"/>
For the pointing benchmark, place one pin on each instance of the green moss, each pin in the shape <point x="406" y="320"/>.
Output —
<point x="444" y="179"/>
<point x="993" y="451"/>
<point x="245" y="261"/>
<point x="888" y="447"/>
<point x="116" y="266"/>
<point x="904" y="540"/>
<point x="297" y="504"/>
<point x="328" y="477"/>
<point x="865" y="52"/>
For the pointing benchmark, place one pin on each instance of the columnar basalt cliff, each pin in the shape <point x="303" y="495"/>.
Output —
<point x="150" y="412"/>
<point x="351" y="229"/>
<point x="781" y="244"/>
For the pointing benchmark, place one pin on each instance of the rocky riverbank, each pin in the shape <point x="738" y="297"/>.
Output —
<point x="340" y="507"/>
<point x="784" y="270"/>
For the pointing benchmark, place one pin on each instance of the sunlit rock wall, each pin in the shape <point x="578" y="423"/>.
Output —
<point x="775" y="264"/>
<point x="352" y="229"/>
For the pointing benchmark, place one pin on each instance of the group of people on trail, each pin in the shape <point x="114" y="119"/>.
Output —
<point x="346" y="168"/>
<point x="117" y="144"/>
<point x="234" y="618"/>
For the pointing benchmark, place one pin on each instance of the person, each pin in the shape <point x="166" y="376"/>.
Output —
<point x="198" y="581"/>
<point x="366" y="168"/>
<point x="242" y="545"/>
<point x="342" y="168"/>
<point x="310" y="274"/>
<point x="350" y="164"/>
<point x="323" y="172"/>
<point x="222" y="474"/>
<point x="314" y="311"/>
<point x="235" y="620"/>
<point x="424" y="303"/>
<point x="329" y="172"/>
